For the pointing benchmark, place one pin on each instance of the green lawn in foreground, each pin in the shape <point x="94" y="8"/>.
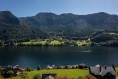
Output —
<point x="75" y="73"/>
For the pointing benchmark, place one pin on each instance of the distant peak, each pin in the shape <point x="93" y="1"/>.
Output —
<point x="103" y="13"/>
<point x="5" y="12"/>
<point x="67" y="14"/>
<point x="45" y="13"/>
<point x="7" y="17"/>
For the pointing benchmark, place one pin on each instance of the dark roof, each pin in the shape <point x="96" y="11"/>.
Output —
<point x="95" y="70"/>
<point x="108" y="69"/>
<point x="102" y="70"/>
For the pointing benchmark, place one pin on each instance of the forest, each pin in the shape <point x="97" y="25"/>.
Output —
<point x="49" y="29"/>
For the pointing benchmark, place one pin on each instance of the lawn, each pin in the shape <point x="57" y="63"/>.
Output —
<point x="30" y="43"/>
<point x="56" y="42"/>
<point x="74" y="73"/>
<point x="81" y="43"/>
<point x="33" y="43"/>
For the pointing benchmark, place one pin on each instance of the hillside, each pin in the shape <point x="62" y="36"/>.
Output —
<point x="12" y="30"/>
<point x="99" y="27"/>
<point x="71" y="25"/>
<point x="6" y="17"/>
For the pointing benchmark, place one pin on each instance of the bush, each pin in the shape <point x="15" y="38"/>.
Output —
<point x="80" y="77"/>
<point x="39" y="68"/>
<point x="10" y="73"/>
<point x="66" y="67"/>
<point x="37" y="76"/>
<point x="24" y="76"/>
<point x="29" y="69"/>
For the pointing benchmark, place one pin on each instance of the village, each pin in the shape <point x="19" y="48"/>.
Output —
<point x="94" y="72"/>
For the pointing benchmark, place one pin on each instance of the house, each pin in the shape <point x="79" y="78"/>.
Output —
<point x="82" y="66"/>
<point x="16" y="70"/>
<point x="48" y="76"/>
<point x="103" y="72"/>
<point x="48" y="67"/>
<point x="68" y="67"/>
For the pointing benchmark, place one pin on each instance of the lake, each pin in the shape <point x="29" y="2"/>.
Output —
<point x="34" y="56"/>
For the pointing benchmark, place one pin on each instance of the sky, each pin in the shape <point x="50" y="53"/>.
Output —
<point x="23" y="8"/>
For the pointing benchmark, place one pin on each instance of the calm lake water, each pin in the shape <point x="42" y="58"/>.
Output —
<point x="34" y="56"/>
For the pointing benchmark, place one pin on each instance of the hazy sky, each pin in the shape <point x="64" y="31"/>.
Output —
<point x="32" y="7"/>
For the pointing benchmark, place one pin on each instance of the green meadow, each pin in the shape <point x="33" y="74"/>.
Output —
<point x="73" y="73"/>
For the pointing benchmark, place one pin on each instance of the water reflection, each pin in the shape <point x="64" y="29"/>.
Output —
<point x="33" y="56"/>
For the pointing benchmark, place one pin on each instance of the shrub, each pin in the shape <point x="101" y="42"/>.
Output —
<point x="39" y="68"/>
<point x="29" y="69"/>
<point x="24" y="76"/>
<point x="80" y="77"/>
<point x="37" y="76"/>
<point x="10" y="73"/>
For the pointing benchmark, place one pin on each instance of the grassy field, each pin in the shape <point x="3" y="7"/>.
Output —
<point x="34" y="43"/>
<point x="40" y="42"/>
<point x="82" y="43"/>
<point x="74" y="73"/>
<point x="56" y="42"/>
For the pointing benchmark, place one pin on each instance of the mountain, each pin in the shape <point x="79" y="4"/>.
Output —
<point x="50" y="25"/>
<point x="11" y="29"/>
<point x="9" y="25"/>
<point x="71" y="25"/>
<point x="6" y="17"/>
